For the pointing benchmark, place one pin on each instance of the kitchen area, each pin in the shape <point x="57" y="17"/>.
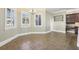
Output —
<point x="72" y="24"/>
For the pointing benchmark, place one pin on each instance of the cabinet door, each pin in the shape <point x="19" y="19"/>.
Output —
<point x="77" y="20"/>
<point x="73" y="17"/>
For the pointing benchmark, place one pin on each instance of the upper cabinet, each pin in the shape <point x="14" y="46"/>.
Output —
<point x="72" y="18"/>
<point x="77" y="20"/>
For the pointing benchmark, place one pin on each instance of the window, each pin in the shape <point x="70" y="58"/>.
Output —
<point x="25" y="19"/>
<point x="58" y="18"/>
<point x="38" y="20"/>
<point x="10" y="18"/>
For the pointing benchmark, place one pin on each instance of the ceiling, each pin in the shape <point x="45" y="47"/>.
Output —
<point x="52" y="10"/>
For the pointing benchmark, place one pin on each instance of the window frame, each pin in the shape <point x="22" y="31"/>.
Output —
<point x="29" y="16"/>
<point x="35" y="21"/>
<point x="10" y="26"/>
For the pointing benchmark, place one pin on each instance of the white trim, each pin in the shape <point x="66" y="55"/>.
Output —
<point x="23" y="34"/>
<point x="35" y="20"/>
<point x="12" y="38"/>
<point x="59" y="31"/>
<point x="6" y="25"/>
<point x="17" y="35"/>
<point x="7" y="40"/>
<point x="40" y="32"/>
<point x="25" y="25"/>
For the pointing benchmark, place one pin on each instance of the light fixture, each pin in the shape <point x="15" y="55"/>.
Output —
<point x="32" y="11"/>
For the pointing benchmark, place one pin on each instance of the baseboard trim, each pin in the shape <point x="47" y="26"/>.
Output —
<point x="58" y="31"/>
<point x="40" y="32"/>
<point x="7" y="40"/>
<point x="14" y="37"/>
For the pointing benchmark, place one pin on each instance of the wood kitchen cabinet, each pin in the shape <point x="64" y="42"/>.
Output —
<point x="77" y="20"/>
<point x="70" y="20"/>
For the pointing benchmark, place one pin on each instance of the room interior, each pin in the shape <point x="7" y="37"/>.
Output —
<point x="39" y="28"/>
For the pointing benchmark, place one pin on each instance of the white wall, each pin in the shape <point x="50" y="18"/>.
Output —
<point x="41" y="28"/>
<point x="59" y="26"/>
<point x="5" y="34"/>
<point x="49" y="22"/>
